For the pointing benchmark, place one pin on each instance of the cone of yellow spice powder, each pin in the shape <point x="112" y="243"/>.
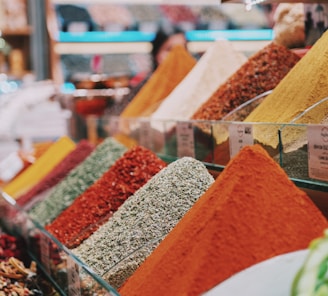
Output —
<point x="160" y="84"/>
<point x="305" y="85"/>
<point x="40" y="168"/>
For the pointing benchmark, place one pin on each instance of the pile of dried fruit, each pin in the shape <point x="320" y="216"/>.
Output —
<point x="16" y="279"/>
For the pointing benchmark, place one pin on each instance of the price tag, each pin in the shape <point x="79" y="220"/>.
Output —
<point x="318" y="152"/>
<point x="185" y="139"/>
<point x="73" y="277"/>
<point x="145" y="134"/>
<point x="240" y="135"/>
<point x="10" y="166"/>
<point x="45" y="252"/>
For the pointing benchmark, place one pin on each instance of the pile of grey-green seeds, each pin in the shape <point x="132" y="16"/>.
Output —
<point x="77" y="181"/>
<point x="119" y="246"/>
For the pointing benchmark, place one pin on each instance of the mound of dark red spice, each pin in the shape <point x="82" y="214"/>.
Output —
<point x="95" y="206"/>
<point x="262" y="72"/>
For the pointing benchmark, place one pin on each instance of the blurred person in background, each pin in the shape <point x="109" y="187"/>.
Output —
<point x="166" y="38"/>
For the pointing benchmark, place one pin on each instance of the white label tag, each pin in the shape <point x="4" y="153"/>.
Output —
<point x="145" y="138"/>
<point x="240" y="135"/>
<point x="77" y="27"/>
<point x="73" y="276"/>
<point x="185" y="139"/>
<point x="318" y="152"/>
<point x="10" y="166"/>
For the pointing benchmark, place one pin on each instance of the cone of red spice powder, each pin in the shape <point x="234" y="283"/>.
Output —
<point x="82" y="150"/>
<point x="95" y="205"/>
<point x="251" y="213"/>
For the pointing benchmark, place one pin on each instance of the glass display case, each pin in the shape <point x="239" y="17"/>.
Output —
<point x="66" y="273"/>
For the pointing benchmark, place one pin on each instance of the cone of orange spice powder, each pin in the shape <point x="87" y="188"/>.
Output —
<point x="251" y="213"/>
<point x="160" y="84"/>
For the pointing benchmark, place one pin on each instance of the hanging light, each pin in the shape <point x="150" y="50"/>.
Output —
<point x="250" y="3"/>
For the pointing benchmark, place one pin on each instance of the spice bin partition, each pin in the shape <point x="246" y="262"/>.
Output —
<point x="241" y="112"/>
<point x="215" y="142"/>
<point x="66" y="273"/>
<point x="304" y="149"/>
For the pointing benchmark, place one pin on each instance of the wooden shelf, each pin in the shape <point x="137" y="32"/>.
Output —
<point x="16" y="32"/>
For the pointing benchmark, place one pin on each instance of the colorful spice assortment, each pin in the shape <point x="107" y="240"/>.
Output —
<point x="144" y="219"/>
<point x="77" y="181"/>
<point x="251" y="213"/>
<point x="93" y="207"/>
<point x="262" y="72"/>
<point x="304" y="85"/>
<point x="82" y="150"/>
<point x="165" y="78"/>
<point x="218" y="63"/>
<point x="40" y="168"/>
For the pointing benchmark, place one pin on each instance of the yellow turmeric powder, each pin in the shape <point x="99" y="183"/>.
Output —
<point x="41" y="167"/>
<point x="303" y="86"/>
<point x="160" y="84"/>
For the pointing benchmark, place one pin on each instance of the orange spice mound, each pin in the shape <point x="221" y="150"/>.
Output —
<point x="160" y="84"/>
<point x="252" y="212"/>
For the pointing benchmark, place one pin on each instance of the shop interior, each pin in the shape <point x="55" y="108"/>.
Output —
<point x="196" y="174"/>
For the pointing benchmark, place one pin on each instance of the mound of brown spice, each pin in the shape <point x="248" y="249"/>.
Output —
<point x="252" y="212"/>
<point x="95" y="206"/>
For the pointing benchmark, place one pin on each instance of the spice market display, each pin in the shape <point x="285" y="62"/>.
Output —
<point x="147" y="225"/>
<point x="103" y="198"/>
<point x="77" y="181"/>
<point x="144" y="219"/>
<point x="230" y="228"/>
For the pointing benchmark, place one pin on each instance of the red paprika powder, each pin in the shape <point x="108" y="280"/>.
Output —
<point x="250" y="213"/>
<point x="94" y="206"/>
